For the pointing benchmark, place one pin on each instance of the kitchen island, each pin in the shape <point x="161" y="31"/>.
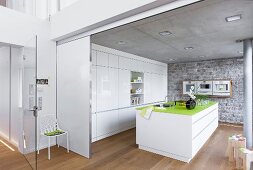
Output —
<point x="176" y="132"/>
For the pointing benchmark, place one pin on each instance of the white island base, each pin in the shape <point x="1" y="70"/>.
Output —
<point x="176" y="136"/>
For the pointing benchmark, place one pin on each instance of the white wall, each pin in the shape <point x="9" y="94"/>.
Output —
<point x="83" y="16"/>
<point x="4" y="91"/>
<point x="16" y="59"/>
<point x="17" y="28"/>
<point x="9" y="105"/>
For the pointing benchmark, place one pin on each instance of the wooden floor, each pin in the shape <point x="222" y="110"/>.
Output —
<point x="12" y="159"/>
<point x="120" y="152"/>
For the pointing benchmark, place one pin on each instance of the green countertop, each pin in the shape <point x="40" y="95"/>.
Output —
<point x="181" y="110"/>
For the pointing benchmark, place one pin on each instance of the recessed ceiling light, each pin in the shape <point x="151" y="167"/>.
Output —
<point x="188" y="48"/>
<point x="165" y="33"/>
<point x="121" y="42"/>
<point x="202" y="56"/>
<point x="240" y="52"/>
<point x="234" y="18"/>
<point x="171" y="59"/>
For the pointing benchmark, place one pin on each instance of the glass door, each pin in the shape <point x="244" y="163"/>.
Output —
<point x="29" y="102"/>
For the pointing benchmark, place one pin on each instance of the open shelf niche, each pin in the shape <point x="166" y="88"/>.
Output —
<point x="137" y="88"/>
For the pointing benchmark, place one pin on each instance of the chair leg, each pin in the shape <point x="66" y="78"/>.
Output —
<point x="38" y="146"/>
<point x="57" y="139"/>
<point x="49" y="149"/>
<point x="67" y="142"/>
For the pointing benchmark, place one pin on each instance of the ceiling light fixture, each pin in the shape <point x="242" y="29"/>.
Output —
<point x="188" y="48"/>
<point x="202" y="56"/>
<point x="165" y="33"/>
<point x="121" y="42"/>
<point x="233" y="18"/>
<point x="171" y="59"/>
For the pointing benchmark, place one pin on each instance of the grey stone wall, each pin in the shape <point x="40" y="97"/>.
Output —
<point x="230" y="109"/>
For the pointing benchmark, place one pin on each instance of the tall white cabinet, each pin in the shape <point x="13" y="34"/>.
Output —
<point x="112" y="111"/>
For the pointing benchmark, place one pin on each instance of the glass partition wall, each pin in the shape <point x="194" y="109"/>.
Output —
<point x="18" y="101"/>
<point x="29" y="102"/>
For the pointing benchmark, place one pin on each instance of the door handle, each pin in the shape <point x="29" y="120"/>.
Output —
<point x="35" y="111"/>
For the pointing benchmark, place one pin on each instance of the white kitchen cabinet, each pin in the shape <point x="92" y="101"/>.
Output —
<point x="113" y="61"/>
<point x="94" y="89"/>
<point x="148" y="81"/>
<point x="155" y="68"/>
<point x="148" y="67"/>
<point x="107" y="88"/>
<point x="94" y="57"/>
<point x="162" y="90"/>
<point x="114" y="88"/>
<point x="164" y="70"/>
<point x="164" y="86"/>
<point x="107" y="122"/>
<point x="94" y="127"/>
<point x="102" y="59"/>
<point x="141" y="65"/>
<point x="157" y="91"/>
<point x="126" y="118"/>
<point x="135" y="65"/>
<point x="125" y="63"/>
<point x="124" y="88"/>
<point x="103" y="88"/>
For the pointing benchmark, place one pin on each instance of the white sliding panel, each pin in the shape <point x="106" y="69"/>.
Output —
<point x="73" y="94"/>
<point x="4" y="91"/>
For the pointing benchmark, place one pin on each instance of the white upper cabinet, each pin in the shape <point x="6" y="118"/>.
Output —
<point x="103" y="88"/>
<point x="107" y="88"/>
<point x="124" y="88"/>
<point x="156" y="69"/>
<point x="102" y="59"/>
<point x="114" y="88"/>
<point x="125" y="63"/>
<point x="113" y="61"/>
<point x="134" y="65"/>
<point x="165" y="70"/>
<point x="141" y="66"/>
<point x="156" y="87"/>
<point x="148" y="88"/>
<point x="94" y="57"/>
<point x="164" y="86"/>
<point x="94" y="89"/>
<point x="148" y="67"/>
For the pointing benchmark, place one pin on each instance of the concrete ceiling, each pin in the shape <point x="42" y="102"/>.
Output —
<point x="201" y="26"/>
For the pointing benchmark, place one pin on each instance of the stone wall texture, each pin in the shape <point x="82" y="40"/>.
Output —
<point x="230" y="109"/>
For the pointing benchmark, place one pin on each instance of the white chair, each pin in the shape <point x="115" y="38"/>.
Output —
<point x="48" y="124"/>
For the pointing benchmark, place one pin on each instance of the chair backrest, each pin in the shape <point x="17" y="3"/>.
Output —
<point x="48" y="123"/>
